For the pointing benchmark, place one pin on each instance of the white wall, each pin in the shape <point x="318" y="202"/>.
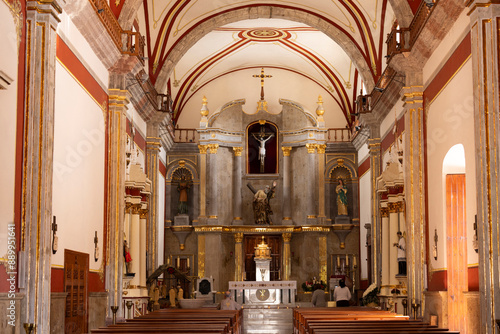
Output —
<point x="79" y="155"/>
<point x="8" y="116"/>
<point x="450" y="122"/>
<point x="81" y="48"/>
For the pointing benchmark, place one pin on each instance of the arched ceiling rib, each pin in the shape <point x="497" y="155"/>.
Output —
<point x="174" y="28"/>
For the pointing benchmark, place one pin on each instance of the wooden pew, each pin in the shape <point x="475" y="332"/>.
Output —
<point x="357" y="320"/>
<point x="180" y="321"/>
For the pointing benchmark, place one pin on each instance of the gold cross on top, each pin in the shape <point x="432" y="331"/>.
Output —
<point x="262" y="76"/>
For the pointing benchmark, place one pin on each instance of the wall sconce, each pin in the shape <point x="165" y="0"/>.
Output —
<point x="54" y="236"/>
<point x="96" y="249"/>
<point x="434" y="248"/>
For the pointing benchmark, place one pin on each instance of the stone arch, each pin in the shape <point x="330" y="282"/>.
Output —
<point x="267" y="11"/>
<point x="128" y="13"/>
<point x="403" y="12"/>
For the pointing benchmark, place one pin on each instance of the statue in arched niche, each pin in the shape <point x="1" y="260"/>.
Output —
<point x="184" y="182"/>
<point x="341" y="191"/>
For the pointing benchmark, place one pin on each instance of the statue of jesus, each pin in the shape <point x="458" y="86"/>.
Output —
<point x="262" y="147"/>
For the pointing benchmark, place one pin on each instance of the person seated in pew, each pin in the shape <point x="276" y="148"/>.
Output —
<point x="228" y="303"/>
<point x="318" y="297"/>
<point x="341" y="294"/>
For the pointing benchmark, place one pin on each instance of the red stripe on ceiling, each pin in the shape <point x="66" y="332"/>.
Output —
<point x="389" y="138"/>
<point x="181" y="98"/>
<point x="163" y="56"/>
<point x="138" y="138"/>
<point x="246" y="68"/>
<point x="414" y="4"/>
<point x="163" y="169"/>
<point x="449" y="69"/>
<point x="197" y="72"/>
<point x="368" y="44"/>
<point x="346" y="108"/>
<point x="117" y="9"/>
<point x="82" y="75"/>
<point x="364" y="167"/>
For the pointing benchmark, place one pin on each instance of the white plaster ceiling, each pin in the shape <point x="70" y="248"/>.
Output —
<point x="304" y="61"/>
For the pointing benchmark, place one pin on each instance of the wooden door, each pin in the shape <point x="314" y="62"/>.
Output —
<point x="76" y="273"/>
<point x="274" y="242"/>
<point x="456" y="239"/>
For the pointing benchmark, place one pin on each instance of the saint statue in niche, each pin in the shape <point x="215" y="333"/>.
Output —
<point x="341" y="191"/>
<point x="183" y="188"/>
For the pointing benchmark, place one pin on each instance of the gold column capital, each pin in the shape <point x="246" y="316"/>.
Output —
<point x="213" y="148"/>
<point x="286" y="150"/>
<point x="238" y="237"/>
<point x="136" y="208"/>
<point x="384" y="212"/>
<point x="311" y="148"/>
<point x="321" y="148"/>
<point x="203" y="149"/>
<point x="237" y="151"/>
<point x="287" y="237"/>
<point x="144" y="214"/>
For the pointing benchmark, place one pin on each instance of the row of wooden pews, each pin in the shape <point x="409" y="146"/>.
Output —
<point x="180" y="321"/>
<point x="357" y="320"/>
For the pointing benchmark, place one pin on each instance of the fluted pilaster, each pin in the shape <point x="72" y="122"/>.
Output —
<point x="485" y="39"/>
<point x="41" y="23"/>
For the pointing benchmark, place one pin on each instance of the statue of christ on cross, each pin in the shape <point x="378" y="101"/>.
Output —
<point x="262" y="137"/>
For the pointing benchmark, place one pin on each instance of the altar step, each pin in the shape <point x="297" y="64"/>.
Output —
<point x="269" y="321"/>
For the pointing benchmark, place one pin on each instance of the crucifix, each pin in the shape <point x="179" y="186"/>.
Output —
<point x="262" y="137"/>
<point x="262" y="76"/>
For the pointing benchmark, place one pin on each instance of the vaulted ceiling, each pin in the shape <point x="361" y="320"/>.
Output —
<point x="310" y="48"/>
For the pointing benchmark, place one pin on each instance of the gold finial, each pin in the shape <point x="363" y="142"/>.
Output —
<point x="262" y="121"/>
<point x="320" y="110"/>
<point x="204" y="108"/>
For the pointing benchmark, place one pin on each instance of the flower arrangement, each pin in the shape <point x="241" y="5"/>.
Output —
<point x="370" y="295"/>
<point x="310" y="286"/>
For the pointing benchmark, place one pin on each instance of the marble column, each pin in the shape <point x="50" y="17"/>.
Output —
<point x="202" y="219"/>
<point x="237" y="173"/>
<point x="35" y="249"/>
<point x="212" y="202"/>
<point x="153" y="145"/>
<point x="414" y="189"/>
<point x="134" y="243"/>
<point x="116" y="123"/>
<point x="311" y="203"/>
<point x="485" y="40"/>
<point x="142" y="247"/>
<point x="238" y="257"/>
<point x="287" y="206"/>
<point x="375" y="162"/>
<point x="287" y="256"/>
<point x="321" y="184"/>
